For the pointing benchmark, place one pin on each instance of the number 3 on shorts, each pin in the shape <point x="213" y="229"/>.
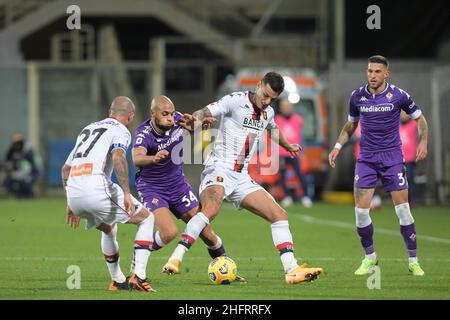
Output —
<point x="401" y="178"/>
<point x="188" y="201"/>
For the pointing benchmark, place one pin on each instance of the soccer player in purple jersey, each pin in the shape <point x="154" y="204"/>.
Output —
<point x="377" y="106"/>
<point x="160" y="180"/>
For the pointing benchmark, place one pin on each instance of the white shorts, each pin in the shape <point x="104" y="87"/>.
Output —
<point x="237" y="185"/>
<point x="101" y="206"/>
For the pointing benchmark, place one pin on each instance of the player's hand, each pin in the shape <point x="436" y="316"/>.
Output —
<point x="421" y="151"/>
<point x="208" y="122"/>
<point x="294" y="149"/>
<point x="187" y="122"/>
<point x="332" y="157"/>
<point x="129" y="204"/>
<point x="160" y="155"/>
<point x="72" y="220"/>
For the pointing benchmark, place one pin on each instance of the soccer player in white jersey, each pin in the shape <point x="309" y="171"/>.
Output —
<point x="245" y="116"/>
<point x="91" y="195"/>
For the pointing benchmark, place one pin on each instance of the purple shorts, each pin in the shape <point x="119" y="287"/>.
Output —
<point x="389" y="166"/>
<point x="178" y="201"/>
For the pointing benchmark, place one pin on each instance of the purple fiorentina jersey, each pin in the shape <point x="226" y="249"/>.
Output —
<point x="379" y="117"/>
<point x="167" y="174"/>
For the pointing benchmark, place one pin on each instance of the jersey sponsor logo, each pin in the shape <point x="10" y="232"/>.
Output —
<point x="171" y="140"/>
<point x="253" y="124"/>
<point x="377" y="108"/>
<point x="81" y="170"/>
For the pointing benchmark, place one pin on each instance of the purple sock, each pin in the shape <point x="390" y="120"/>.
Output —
<point x="366" y="236"/>
<point x="214" y="253"/>
<point x="409" y="236"/>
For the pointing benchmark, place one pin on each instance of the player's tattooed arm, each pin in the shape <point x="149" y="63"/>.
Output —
<point x="202" y="117"/>
<point x="347" y="131"/>
<point x="422" y="148"/>
<point x="65" y="171"/>
<point x="121" y="169"/>
<point x="202" y="114"/>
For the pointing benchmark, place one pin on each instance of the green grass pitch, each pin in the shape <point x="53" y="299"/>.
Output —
<point x="37" y="247"/>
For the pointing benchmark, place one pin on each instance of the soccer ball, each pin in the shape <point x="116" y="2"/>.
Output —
<point x="222" y="270"/>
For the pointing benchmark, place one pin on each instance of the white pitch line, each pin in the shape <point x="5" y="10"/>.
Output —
<point x="346" y="225"/>
<point x="75" y="259"/>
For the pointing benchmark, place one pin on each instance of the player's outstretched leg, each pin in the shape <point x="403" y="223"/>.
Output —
<point x="212" y="198"/>
<point x="142" y="243"/>
<point x="282" y="238"/>
<point x="110" y="249"/>
<point x="188" y="238"/>
<point x="262" y="203"/>
<point x="364" y="227"/>
<point x="212" y="241"/>
<point x="408" y="231"/>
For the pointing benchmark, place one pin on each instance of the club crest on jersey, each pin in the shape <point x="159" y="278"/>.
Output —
<point x="264" y="115"/>
<point x="219" y="179"/>
<point x="389" y="96"/>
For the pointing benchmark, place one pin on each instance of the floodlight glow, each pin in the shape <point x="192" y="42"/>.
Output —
<point x="293" y="97"/>
<point x="289" y="84"/>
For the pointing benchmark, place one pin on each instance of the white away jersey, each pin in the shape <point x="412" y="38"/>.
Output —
<point x="92" y="152"/>
<point x="240" y="130"/>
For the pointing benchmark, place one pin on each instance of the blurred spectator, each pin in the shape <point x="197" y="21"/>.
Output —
<point x="409" y="137"/>
<point x="291" y="124"/>
<point x="20" y="168"/>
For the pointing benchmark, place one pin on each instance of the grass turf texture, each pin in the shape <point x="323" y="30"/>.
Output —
<point x="37" y="247"/>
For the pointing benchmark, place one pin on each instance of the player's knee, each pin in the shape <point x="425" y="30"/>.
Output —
<point x="105" y="228"/>
<point x="168" y="234"/>
<point x="210" y="210"/>
<point x="404" y="214"/>
<point x="279" y="214"/>
<point x="144" y="213"/>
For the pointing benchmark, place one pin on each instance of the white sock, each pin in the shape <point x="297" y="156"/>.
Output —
<point x="158" y="240"/>
<point x="110" y="249"/>
<point x="190" y="235"/>
<point x="142" y="243"/>
<point x="412" y="259"/>
<point x="282" y="238"/>
<point x="217" y="245"/>
<point x="371" y="256"/>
